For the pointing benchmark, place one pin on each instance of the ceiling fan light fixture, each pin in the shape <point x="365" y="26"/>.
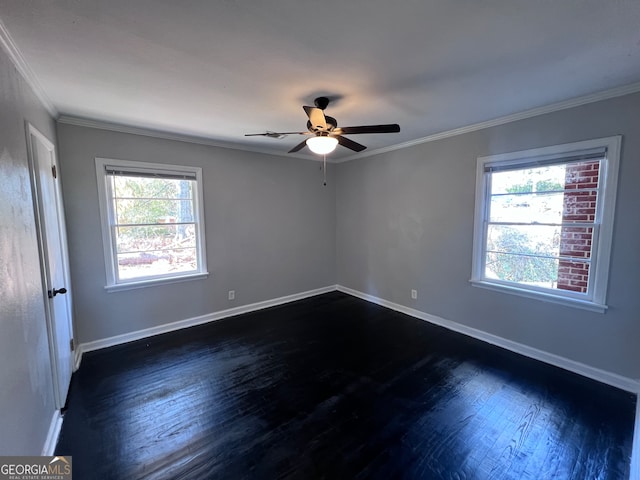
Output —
<point x="322" y="144"/>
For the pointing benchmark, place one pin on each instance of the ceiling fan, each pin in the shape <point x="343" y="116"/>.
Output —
<point x="325" y="133"/>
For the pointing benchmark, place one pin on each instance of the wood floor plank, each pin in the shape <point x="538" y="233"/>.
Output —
<point x="333" y="387"/>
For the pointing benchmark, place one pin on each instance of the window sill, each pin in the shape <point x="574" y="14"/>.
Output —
<point x="156" y="281"/>
<point x="545" y="297"/>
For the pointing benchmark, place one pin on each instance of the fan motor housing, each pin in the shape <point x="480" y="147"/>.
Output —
<point x="331" y="124"/>
<point x="321" y="102"/>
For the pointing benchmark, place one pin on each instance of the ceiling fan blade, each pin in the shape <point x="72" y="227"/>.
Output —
<point x="387" y="128"/>
<point x="350" y="144"/>
<point x="275" y="134"/>
<point x="316" y="117"/>
<point x="298" y="147"/>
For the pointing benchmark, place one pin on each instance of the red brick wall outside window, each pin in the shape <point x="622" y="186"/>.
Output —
<point x="580" y="194"/>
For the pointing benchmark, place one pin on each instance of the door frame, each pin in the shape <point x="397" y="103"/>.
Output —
<point x="45" y="273"/>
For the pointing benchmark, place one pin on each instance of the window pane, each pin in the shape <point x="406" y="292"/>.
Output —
<point x="527" y="270"/>
<point x="540" y="179"/>
<point x="149" y="210"/>
<point x="582" y="175"/>
<point x="142" y="187"/>
<point x="573" y="275"/>
<point x="576" y="242"/>
<point x="144" y="264"/>
<point x="579" y="206"/>
<point x="527" y="208"/>
<point x="524" y="239"/>
<point x="154" y="238"/>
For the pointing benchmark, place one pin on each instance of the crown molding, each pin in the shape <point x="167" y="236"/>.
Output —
<point x="166" y="135"/>
<point x="534" y="112"/>
<point x="23" y="68"/>
<point x="554" y="107"/>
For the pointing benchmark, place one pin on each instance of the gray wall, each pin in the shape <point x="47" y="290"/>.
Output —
<point x="270" y="230"/>
<point x="405" y="221"/>
<point x="26" y="392"/>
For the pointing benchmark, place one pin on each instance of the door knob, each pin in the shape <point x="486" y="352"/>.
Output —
<point x="55" y="291"/>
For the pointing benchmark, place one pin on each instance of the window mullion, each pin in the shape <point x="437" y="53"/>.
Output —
<point x="486" y="212"/>
<point x="112" y="225"/>
<point x="169" y="224"/>
<point x="595" y="236"/>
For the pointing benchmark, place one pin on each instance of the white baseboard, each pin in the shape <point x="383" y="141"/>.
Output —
<point x="603" y="376"/>
<point x="52" y="435"/>
<point x="77" y="358"/>
<point x="190" y="322"/>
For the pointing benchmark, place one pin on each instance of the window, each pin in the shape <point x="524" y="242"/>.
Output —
<point x="152" y="222"/>
<point x="544" y="222"/>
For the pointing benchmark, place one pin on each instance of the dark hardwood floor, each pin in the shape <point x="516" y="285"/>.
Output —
<point x="334" y="387"/>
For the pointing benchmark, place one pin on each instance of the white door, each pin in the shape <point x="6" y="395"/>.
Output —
<point x="53" y="259"/>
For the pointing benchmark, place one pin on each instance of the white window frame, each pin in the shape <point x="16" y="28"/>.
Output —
<point x="595" y="297"/>
<point x="107" y="220"/>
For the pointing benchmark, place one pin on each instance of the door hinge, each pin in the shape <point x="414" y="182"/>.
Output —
<point x="54" y="171"/>
<point x="72" y="345"/>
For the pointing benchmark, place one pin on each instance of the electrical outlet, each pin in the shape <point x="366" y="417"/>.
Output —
<point x="232" y="294"/>
<point x="414" y="294"/>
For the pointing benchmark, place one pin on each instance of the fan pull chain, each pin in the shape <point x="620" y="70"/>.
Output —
<point x="324" y="169"/>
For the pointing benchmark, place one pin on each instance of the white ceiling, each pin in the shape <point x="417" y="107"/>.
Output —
<point x="220" y="69"/>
